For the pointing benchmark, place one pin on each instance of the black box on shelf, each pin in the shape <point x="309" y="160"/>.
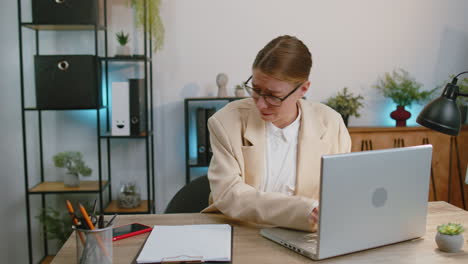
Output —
<point x="64" y="12"/>
<point x="138" y="107"/>
<point x="67" y="82"/>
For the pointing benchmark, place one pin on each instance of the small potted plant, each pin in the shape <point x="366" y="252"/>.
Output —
<point x="57" y="224"/>
<point x="403" y="90"/>
<point x="129" y="195"/>
<point x="463" y="101"/>
<point x="346" y="104"/>
<point x="239" y="91"/>
<point x="122" y="48"/>
<point x="449" y="237"/>
<point x="73" y="162"/>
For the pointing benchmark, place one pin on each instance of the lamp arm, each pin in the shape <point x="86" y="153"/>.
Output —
<point x="455" y="80"/>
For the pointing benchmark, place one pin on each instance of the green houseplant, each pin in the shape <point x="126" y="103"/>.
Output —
<point x="346" y="104"/>
<point x="463" y="101"/>
<point x="57" y="225"/>
<point x="73" y="162"/>
<point x="129" y="195"/>
<point x="449" y="237"/>
<point x="122" y="48"/>
<point x="403" y="90"/>
<point x="150" y="17"/>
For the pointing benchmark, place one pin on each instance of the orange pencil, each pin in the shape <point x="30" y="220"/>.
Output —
<point x="91" y="226"/>
<point x="74" y="220"/>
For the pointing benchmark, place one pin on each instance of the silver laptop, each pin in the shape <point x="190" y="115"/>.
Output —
<point x="367" y="199"/>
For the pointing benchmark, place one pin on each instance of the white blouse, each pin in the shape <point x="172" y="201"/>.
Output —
<point x="281" y="157"/>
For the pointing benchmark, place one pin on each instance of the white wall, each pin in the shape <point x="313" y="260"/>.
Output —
<point x="352" y="42"/>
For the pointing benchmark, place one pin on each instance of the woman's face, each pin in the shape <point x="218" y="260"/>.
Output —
<point x="286" y="113"/>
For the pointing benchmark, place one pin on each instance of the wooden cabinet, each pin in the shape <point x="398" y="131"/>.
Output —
<point x="448" y="167"/>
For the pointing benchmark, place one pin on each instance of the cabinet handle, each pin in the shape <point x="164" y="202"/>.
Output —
<point x="59" y="1"/>
<point x="63" y="65"/>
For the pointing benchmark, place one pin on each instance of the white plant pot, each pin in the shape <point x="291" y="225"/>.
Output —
<point x="449" y="243"/>
<point x="71" y="180"/>
<point x="123" y="51"/>
<point x="239" y="92"/>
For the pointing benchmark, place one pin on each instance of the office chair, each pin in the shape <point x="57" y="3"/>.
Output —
<point x="192" y="198"/>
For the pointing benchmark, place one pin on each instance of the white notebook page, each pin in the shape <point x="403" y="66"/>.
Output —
<point x="186" y="243"/>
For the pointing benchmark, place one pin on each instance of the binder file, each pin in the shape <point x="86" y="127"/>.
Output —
<point x="120" y="109"/>
<point x="208" y="113"/>
<point x="202" y="147"/>
<point x="138" y="107"/>
<point x="187" y="244"/>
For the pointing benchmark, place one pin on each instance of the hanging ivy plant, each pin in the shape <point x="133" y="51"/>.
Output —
<point x="153" y="21"/>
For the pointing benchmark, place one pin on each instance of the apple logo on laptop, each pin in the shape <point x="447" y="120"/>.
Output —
<point x="379" y="197"/>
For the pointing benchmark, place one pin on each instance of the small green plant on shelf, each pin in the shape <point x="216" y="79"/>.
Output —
<point x="346" y="104"/>
<point x="57" y="225"/>
<point x="402" y="88"/>
<point x="129" y="195"/>
<point x="73" y="162"/>
<point x="149" y="19"/>
<point x="122" y="38"/>
<point x="450" y="229"/>
<point x="122" y="48"/>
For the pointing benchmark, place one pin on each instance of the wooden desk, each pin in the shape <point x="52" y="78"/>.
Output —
<point x="251" y="247"/>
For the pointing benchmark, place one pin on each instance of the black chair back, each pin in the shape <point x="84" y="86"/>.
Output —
<point x="192" y="198"/>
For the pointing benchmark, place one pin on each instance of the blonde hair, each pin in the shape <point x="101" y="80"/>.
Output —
<point x="285" y="58"/>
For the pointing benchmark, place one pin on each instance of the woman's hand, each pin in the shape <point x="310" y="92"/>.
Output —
<point x="313" y="219"/>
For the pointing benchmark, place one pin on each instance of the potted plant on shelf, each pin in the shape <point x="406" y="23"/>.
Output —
<point x="346" y="104"/>
<point x="122" y="48"/>
<point x="73" y="162"/>
<point x="148" y="19"/>
<point x="129" y="195"/>
<point x="403" y="90"/>
<point x="449" y="237"/>
<point x="57" y="225"/>
<point x="239" y="91"/>
<point x="463" y="101"/>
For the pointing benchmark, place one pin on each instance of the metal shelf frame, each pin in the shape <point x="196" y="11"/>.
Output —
<point x="102" y="128"/>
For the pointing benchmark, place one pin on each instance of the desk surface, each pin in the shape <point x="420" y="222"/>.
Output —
<point x="250" y="247"/>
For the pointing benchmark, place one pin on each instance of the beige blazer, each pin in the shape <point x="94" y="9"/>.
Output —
<point x="237" y="135"/>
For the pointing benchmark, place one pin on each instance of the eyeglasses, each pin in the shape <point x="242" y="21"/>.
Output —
<point x="269" y="99"/>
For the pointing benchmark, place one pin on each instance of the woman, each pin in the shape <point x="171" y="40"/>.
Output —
<point x="267" y="149"/>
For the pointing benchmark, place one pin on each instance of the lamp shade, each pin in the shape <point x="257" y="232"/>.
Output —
<point x="442" y="114"/>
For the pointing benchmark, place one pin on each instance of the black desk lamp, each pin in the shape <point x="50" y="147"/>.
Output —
<point x="443" y="114"/>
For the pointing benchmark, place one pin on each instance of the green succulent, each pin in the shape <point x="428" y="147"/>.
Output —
<point x="402" y="88"/>
<point x="73" y="162"/>
<point x="122" y="38"/>
<point x="346" y="103"/>
<point x="450" y="229"/>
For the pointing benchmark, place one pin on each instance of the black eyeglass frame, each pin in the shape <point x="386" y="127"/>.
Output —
<point x="246" y="87"/>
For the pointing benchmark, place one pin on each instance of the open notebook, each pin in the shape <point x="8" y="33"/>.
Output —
<point x="205" y="243"/>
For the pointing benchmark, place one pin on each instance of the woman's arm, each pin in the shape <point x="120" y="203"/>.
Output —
<point x="241" y="201"/>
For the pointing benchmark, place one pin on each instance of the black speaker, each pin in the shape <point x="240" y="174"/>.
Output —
<point x="137" y="97"/>
<point x="64" y="12"/>
<point x="67" y="82"/>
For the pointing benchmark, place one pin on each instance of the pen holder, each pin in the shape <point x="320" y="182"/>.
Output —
<point x="94" y="246"/>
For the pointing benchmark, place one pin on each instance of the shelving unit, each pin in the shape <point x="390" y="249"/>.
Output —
<point x="44" y="187"/>
<point x="190" y="106"/>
